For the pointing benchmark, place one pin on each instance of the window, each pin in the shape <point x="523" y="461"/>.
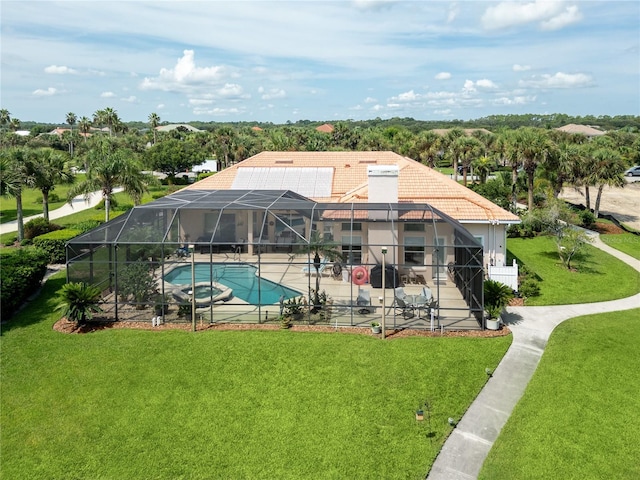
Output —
<point x="357" y="227"/>
<point x="414" y="250"/>
<point x="352" y="249"/>
<point x="414" y="227"/>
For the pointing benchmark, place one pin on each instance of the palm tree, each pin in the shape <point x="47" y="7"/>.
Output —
<point x="5" y="118"/>
<point x="609" y="170"/>
<point x="482" y="167"/>
<point x="49" y="169"/>
<point x="71" y="120"/>
<point x="14" y="125"/>
<point x="108" y="117"/>
<point x="450" y="145"/>
<point x="15" y="174"/>
<point x="154" y="121"/>
<point x="467" y="148"/>
<point x="427" y="147"/>
<point x="84" y="125"/>
<point x="110" y="167"/>
<point x="317" y="247"/>
<point x="531" y="148"/>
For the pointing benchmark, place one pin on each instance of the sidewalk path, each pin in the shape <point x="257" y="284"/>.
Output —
<point x="77" y="204"/>
<point x="467" y="447"/>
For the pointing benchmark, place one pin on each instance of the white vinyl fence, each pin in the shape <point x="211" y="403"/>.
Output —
<point x="506" y="275"/>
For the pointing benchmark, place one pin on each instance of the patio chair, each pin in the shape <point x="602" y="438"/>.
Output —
<point x="364" y="300"/>
<point x="403" y="308"/>
<point x="399" y="293"/>
<point x="426" y="292"/>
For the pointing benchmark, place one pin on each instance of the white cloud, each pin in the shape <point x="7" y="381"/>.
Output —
<point x="45" y="93"/>
<point x="274" y="93"/>
<point x="551" y="14"/>
<point x="469" y="86"/>
<point x="443" y="112"/>
<point x="569" y="16"/>
<point x="516" y="100"/>
<point x="185" y="76"/>
<point x="486" y="83"/>
<point x="216" y="111"/>
<point x="160" y="106"/>
<point x="232" y="90"/>
<point x="130" y="99"/>
<point x="409" y="96"/>
<point x="373" y="4"/>
<point x="107" y="94"/>
<point x="370" y="100"/>
<point x="454" y="10"/>
<point x="558" y="80"/>
<point x="59" y="70"/>
<point x="443" y="76"/>
<point x="521" y="68"/>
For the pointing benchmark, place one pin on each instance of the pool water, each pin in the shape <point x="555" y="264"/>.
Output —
<point x="203" y="291"/>
<point x="241" y="278"/>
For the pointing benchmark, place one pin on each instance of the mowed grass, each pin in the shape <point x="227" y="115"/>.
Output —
<point x="580" y="415"/>
<point x="628" y="243"/>
<point x="250" y="404"/>
<point x="32" y="201"/>
<point x="598" y="276"/>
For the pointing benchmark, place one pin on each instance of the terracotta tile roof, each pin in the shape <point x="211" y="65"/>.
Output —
<point x="417" y="183"/>
<point x="325" y="128"/>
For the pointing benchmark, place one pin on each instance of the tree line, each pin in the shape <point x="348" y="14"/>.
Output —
<point x="114" y="154"/>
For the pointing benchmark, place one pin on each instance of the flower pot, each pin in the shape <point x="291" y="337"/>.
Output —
<point x="376" y="329"/>
<point x="493" y="323"/>
<point x="419" y="415"/>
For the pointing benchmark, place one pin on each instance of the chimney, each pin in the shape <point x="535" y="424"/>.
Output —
<point x="383" y="183"/>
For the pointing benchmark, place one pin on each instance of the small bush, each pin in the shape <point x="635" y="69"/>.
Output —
<point x="22" y="271"/>
<point x="39" y="226"/>
<point x="587" y="218"/>
<point x="87" y="225"/>
<point x="53" y="198"/>
<point x="529" y="288"/>
<point x="53" y="244"/>
<point x="204" y="175"/>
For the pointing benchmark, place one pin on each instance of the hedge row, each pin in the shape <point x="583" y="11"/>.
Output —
<point x="22" y="271"/>
<point x="53" y="243"/>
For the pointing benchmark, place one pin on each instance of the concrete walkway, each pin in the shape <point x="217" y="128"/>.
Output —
<point x="467" y="447"/>
<point x="77" y="204"/>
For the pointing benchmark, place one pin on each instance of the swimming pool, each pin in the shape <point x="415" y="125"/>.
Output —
<point x="241" y="278"/>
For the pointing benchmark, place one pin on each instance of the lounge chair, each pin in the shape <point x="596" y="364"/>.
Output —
<point x="399" y="293"/>
<point x="426" y="293"/>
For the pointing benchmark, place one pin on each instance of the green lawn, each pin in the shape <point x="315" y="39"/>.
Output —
<point x="250" y="404"/>
<point x="625" y="242"/>
<point x="580" y="415"/>
<point x="32" y="201"/>
<point x="599" y="276"/>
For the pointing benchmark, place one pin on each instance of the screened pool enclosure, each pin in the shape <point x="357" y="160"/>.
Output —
<point x="256" y="256"/>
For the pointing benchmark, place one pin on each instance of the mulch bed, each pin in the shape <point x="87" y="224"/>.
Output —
<point x="610" y="228"/>
<point x="64" y="326"/>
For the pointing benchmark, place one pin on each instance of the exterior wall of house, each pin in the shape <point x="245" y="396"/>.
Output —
<point x="493" y="239"/>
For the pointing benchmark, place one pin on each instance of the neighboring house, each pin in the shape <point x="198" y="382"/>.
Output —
<point x="175" y="126"/>
<point x="585" y="130"/>
<point x="351" y="177"/>
<point x="325" y="128"/>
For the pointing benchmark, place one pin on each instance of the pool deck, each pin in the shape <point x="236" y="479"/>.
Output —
<point x="287" y="270"/>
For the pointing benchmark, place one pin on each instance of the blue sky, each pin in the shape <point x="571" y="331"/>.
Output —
<point x="274" y="61"/>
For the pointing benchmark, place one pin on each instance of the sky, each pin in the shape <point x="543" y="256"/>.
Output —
<point x="278" y="61"/>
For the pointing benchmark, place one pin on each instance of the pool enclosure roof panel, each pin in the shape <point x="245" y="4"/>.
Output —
<point x="158" y="221"/>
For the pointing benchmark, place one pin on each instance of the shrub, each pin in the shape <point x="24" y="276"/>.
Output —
<point x="38" y="226"/>
<point x="136" y="281"/>
<point x="87" y="225"/>
<point x="22" y="271"/>
<point x="79" y="301"/>
<point x="496" y="296"/>
<point x="53" y="244"/>
<point x="53" y="198"/>
<point x="587" y="218"/>
<point x="529" y="288"/>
